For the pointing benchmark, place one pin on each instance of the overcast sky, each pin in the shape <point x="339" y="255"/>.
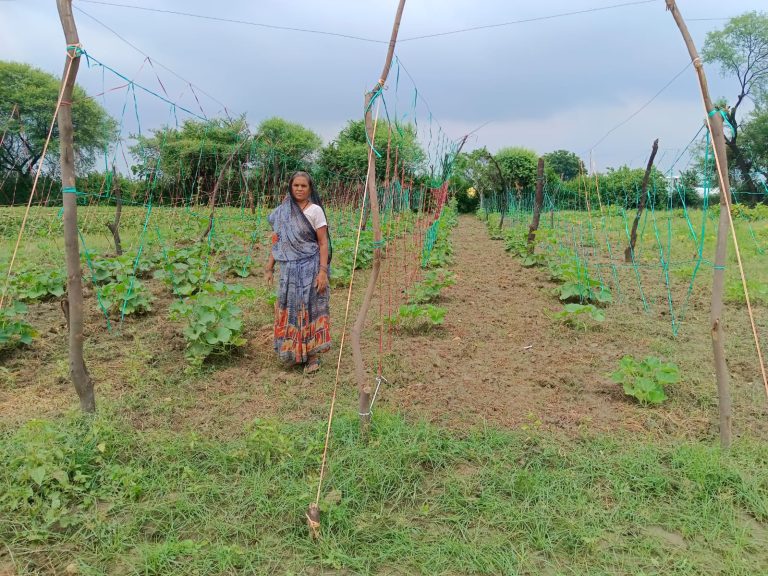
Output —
<point x="546" y="84"/>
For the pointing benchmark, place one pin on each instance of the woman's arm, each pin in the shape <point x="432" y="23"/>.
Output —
<point x="321" y="282"/>
<point x="269" y="268"/>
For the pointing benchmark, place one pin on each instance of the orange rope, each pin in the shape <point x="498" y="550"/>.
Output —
<point x="34" y="184"/>
<point x="346" y="317"/>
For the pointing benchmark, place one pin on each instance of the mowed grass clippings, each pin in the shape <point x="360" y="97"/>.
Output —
<point x="96" y="496"/>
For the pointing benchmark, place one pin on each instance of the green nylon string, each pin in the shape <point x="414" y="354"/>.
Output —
<point x="89" y="263"/>
<point x="136" y="261"/>
<point x="367" y="109"/>
<point x="725" y="119"/>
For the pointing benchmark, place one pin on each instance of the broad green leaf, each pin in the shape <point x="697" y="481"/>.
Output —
<point x="38" y="475"/>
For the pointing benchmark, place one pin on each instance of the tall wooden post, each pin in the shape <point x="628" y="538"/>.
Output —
<point x="74" y="302"/>
<point x="364" y="388"/>
<point x="537" y="202"/>
<point x="715" y="123"/>
<point x="629" y="253"/>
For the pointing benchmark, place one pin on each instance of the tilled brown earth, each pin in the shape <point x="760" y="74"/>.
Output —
<point x="501" y="359"/>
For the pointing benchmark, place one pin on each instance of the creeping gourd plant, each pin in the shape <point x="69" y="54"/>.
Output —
<point x="578" y="315"/>
<point x="13" y="329"/>
<point x="214" y="322"/>
<point x="645" y="379"/>
<point x="126" y="297"/>
<point x="33" y="285"/>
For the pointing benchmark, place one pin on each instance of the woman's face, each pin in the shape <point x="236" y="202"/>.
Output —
<point x="300" y="189"/>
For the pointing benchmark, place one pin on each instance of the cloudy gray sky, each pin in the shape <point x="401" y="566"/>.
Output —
<point x="546" y="84"/>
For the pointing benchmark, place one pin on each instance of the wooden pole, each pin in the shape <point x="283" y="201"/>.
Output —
<point x="80" y="377"/>
<point x="715" y="123"/>
<point x="538" y="201"/>
<point x="629" y="253"/>
<point x="364" y="388"/>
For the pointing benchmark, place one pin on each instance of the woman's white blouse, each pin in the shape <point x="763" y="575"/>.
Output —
<point x="316" y="216"/>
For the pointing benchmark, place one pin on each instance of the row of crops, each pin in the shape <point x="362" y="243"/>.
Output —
<point x="206" y="279"/>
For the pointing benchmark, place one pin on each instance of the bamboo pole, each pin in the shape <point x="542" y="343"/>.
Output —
<point x="74" y="312"/>
<point x="364" y="388"/>
<point x="629" y="253"/>
<point x="715" y="123"/>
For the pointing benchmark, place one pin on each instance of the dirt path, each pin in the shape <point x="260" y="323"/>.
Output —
<point x="503" y="360"/>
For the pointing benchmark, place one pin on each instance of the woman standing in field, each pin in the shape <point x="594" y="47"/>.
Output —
<point x="302" y="246"/>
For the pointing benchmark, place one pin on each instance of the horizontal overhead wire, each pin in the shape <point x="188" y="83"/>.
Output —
<point x="643" y="107"/>
<point x="363" y="38"/>
<point x="236" y="21"/>
<point x="143" y="53"/>
<point x="527" y="20"/>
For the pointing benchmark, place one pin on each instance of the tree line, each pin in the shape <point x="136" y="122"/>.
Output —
<point x="182" y="164"/>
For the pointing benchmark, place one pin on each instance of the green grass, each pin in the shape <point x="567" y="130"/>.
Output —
<point x="415" y="499"/>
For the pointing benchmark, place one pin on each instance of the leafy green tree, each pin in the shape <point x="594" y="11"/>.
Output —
<point x="619" y="186"/>
<point x="283" y="147"/>
<point x="463" y="179"/>
<point x="476" y="169"/>
<point x="347" y="155"/>
<point x="28" y="98"/>
<point x="518" y="165"/>
<point x="623" y="186"/>
<point x="741" y="51"/>
<point x="566" y="165"/>
<point x="684" y="190"/>
<point x="186" y="162"/>
<point x="755" y="138"/>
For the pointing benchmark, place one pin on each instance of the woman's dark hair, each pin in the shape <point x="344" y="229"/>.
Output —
<point x="315" y="197"/>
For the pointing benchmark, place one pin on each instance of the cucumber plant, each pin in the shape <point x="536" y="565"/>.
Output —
<point x="645" y="379"/>
<point x="214" y="321"/>
<point x="14" y="331"/>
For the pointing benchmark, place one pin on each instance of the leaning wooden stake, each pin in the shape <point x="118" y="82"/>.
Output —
<point x="629" y="253"/>
<point x="80" y="377"/>
<point x="715" y="123"/>
<point x="215" y="192"/>
<point x="503" y="184"/>
<point x="114" y="227"/>
<point x="538" y="201"/>
<point x="364" y="387"/>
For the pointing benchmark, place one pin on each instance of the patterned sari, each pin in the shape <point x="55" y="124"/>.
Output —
<point x="302" y="321"/>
